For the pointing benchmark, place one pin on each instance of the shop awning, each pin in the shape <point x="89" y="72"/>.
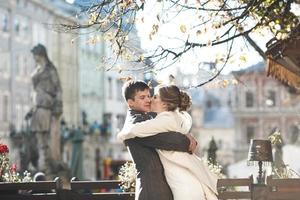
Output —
<point x="284" y="59"/>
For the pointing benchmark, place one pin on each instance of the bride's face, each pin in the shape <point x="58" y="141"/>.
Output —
<point x="157" y="105"/>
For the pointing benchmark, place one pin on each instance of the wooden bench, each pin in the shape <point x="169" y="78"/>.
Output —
<point x="239" y="188"/>
<point x="40" y="190"/>
<point x="99" y="190"/>
<point x="283" y="189"/>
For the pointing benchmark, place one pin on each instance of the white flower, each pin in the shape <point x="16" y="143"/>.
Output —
<point x="127" y="176"/>
<point x="214" y="168"/>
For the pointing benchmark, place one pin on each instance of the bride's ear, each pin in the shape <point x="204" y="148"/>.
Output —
<point x="165" y="106"/>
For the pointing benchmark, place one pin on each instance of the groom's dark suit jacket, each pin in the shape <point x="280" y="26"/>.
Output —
<point x="151" y="181"/>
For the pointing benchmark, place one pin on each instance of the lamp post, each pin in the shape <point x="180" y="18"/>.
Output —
<point x="260" y="151"/>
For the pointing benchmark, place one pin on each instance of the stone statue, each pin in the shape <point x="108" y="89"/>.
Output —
<point x="47" y="101"/>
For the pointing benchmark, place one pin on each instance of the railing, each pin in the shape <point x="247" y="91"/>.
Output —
<point x="52" y="190"/>
<point x="274" y="189"/>
<point x="241" y="188"/>
<point x="43" y="190"/>
<point x="104" y="190"/>
<point x="279" y="189"/>
<point x="235" y="188"/>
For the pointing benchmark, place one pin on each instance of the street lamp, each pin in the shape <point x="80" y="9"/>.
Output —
<point x="260" y="151"/>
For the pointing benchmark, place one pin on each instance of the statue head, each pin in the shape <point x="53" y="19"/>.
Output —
<point x="39" y="52"/>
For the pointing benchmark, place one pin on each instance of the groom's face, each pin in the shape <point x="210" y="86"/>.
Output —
<point x="141" y="101"/>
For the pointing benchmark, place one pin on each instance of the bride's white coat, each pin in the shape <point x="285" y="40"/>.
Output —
<point x="186" y="174"/>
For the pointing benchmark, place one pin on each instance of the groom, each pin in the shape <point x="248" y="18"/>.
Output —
<point x="151" y="183"/>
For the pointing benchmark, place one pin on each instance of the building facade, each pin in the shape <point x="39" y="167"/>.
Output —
<point x="262" y="105"/>
<point x="251" y="108"/>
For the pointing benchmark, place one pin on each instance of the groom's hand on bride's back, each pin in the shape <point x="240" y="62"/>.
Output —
<point x="193" y="143"/>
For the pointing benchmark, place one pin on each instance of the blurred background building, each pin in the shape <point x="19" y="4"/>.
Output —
<point x="92" y="97"/>
<point x="241" y="106"/>
<point x="23" y="25"/>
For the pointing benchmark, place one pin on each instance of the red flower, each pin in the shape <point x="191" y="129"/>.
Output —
<point x="13" y="168"/>
<point x="3" y="148"/>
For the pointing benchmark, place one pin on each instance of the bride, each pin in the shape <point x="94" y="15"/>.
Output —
<point x="188" y="177"/>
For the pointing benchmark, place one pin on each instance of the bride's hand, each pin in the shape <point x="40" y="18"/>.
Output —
<point x="193" y="143"/>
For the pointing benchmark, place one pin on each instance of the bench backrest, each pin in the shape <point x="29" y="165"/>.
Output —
<point x="239" y="188"/>
<point x="282" y="189"/>
<point x="102" y="190"/>
<point x="40" y="190"/>
<point x="92" y="185"/>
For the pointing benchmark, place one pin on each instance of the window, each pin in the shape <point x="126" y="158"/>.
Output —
<point x="39" y="34"/>
<point x="35" y="33"/>
<point x="271" y="98"/>
<point x="236" y="99"/>
<point x="5" y="22"/>
<point x="229" y="102"/>
<point x="17" y="65"/>
<point x="22" y="3"/>
<point x="4" y="63"/>
<point x="119" y="90"/>
<point x="19" y="118"/>
<point x="249" y="99"/>
<point x="26" y="70"/>
<point x="97" y="163"/>
<point x="294" y="133"/>
<point x="21" y="65"/>
<point x="209" y="104"/>
<point x="120" y="121"/>
<point x="106" y="126"/>
<point x="25" y="4"/>
<point x="25" y="27"/>
<point x="250" y="130"/>
<point x="17" y="26"/>
<point x="5" y="107"/>
<point x="110" y="91"/>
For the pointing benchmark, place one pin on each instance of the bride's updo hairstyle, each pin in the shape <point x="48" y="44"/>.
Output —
<point x="174" y="98"/>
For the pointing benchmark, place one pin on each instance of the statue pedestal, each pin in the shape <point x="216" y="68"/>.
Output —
<point x="55" y="138"/>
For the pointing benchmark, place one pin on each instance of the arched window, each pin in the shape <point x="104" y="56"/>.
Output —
<point x="250" y="131"/>
<point x="293" y="133"/>
<point x="271" y="98"/>
<point x="249" y="99"/>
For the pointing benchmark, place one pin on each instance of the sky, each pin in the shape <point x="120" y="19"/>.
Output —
<point x="70" y="1"/>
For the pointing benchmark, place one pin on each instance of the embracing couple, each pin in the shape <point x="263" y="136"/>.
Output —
<point x="161" y="146"/>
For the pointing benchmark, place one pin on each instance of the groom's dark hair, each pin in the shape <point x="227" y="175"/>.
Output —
<point x="131" y="87"/>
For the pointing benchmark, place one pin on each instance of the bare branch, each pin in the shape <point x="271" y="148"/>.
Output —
<point x="229" y="19"/>
<point x="218" y="72"/>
